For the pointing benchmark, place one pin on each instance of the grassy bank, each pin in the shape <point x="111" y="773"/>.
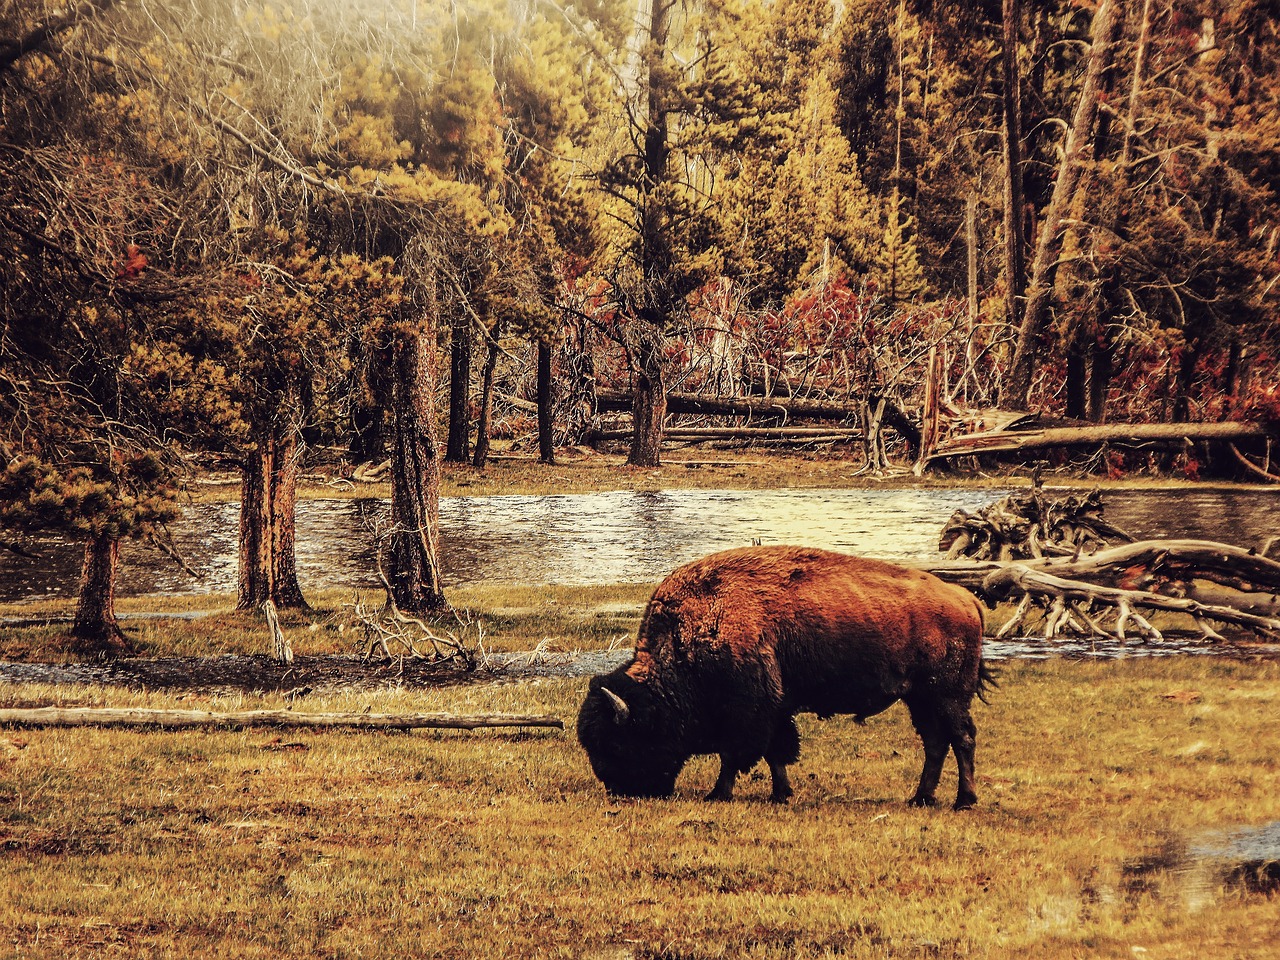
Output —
<point x="500" y="618"/>
<point x="1093" y="777"/>
<point x="582" y="470"/>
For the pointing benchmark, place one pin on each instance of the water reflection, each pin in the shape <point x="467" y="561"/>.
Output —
<point x="621" y="536"/>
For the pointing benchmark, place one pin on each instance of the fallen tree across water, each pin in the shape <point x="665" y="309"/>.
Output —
<point x="189" y="719"/>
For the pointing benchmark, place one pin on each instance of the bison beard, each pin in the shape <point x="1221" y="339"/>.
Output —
<point x="733" y="646"/>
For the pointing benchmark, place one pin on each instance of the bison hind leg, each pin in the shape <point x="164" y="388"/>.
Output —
<point x="928" y="724"/>
<point x="944" y="726"/>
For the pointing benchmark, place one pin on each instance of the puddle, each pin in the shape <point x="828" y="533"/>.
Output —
<point x="1199" y="870"/>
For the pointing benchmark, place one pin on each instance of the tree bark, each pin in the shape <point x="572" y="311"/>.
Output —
<point x="1077" y="375"/>
<point x="1100" y="364"/>
<point x="649" y="404"/>
<point x="656" y="256"/>
<point x="95" y="630"/>
<point x="483" y="425"/>
<point x="1015" y="267"/>
<point x="268" y="504"/>
<point x="414" y="566"/>
<point x="1107" y="22"/>
<point x="546" y="420"/>
<point x="459" y="444"/>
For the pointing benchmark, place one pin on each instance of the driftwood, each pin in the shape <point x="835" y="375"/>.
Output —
<point x="281" y="649"/>
<point x="189" y="719"/>
<point x="1057" y="558"/>
<point x="1067" y="610"/>
<point x="1206" y="581"/>
<point x="1006" y="441"/>
<point x="1029" y="525"/>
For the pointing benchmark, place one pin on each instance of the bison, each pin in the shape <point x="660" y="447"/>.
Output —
<point x="734" y="645"/>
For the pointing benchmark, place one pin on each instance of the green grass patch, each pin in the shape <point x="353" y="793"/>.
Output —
<point x="502" y="844"/>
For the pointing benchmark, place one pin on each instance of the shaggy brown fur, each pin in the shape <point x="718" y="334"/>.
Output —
<point x="734" y="645"/>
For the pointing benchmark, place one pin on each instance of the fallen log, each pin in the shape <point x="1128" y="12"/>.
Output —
<point x="190" y="719"/>
<point x="791" y="407"/>
<point x="702" y="434"/>
<point x="1008" y="441"/>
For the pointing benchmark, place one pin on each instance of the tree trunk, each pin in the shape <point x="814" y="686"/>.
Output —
<point x="483" y="426"/>
<point x="268" y="502"/>
<point x="143" y="718"/>
<point x="1100" y="366"/>
<point x="1077" y="370"/>
<point x="657" y="258"/>
<point x="459" y="445"/>
<point x="95" y="630"/>
<point x="414" y="574"/>
<point x="1015" y="267"/>
<point x="546" y="421"/>
<point x="1107" y="22"/>
<point x="649" y="405"/>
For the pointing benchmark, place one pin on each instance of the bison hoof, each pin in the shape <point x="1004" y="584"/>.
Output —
<point x="922" y="801"/>
<point x="780" y="796"/>
<point x="965" y="801"/>
<point x="719" y="796"/>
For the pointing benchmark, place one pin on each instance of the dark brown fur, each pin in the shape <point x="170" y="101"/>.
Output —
<point x="734" y="645"/>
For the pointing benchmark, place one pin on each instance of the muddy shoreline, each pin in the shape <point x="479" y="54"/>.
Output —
<point x="328" y="672"/>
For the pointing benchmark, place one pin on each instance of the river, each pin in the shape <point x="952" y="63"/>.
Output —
<point x="615" y="537"/>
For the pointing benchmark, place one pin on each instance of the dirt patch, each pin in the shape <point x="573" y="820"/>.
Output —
<point x="261" y="674"/>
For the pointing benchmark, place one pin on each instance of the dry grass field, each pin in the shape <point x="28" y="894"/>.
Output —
<point x="1099" y="783"/>
<point x="1109" y="794"/>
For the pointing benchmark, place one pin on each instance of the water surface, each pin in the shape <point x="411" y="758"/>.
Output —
<point x="615" y="537"/>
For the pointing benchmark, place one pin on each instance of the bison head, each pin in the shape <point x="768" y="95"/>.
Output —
<point x="629" y="738"/>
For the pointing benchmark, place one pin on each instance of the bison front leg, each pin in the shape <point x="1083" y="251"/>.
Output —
<point x="784" y="748"/>
<point x="723" y="790"/>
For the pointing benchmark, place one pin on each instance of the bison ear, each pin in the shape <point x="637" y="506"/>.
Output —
<point x="621" y="712"/>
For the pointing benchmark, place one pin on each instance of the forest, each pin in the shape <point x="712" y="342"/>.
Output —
<point x="250" y="232"/>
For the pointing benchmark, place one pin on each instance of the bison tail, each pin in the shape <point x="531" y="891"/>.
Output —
<point x="988" y="679"/>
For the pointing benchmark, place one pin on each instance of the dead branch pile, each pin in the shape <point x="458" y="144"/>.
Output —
<point x="1046" y="556"/>
<point x="1022" y="526"/>
<point x="390" y="633"/>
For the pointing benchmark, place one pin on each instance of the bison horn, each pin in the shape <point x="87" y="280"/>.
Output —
<point x="622" y="713"/>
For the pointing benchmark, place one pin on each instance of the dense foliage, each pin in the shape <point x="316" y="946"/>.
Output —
<point x="223" y="222"/>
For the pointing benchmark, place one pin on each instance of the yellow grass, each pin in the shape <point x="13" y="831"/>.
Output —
<point x="219" y="844"/>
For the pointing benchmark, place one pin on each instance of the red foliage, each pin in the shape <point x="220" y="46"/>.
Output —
<point x="134" y="263"/>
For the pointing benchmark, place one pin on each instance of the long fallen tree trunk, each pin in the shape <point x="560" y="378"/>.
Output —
<point x="190" y="719"/>
<point x="1007" y="441"/>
